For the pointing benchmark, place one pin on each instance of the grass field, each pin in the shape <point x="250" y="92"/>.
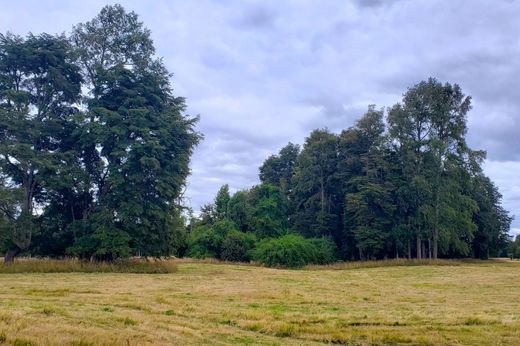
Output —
<point x="203" y="303"/>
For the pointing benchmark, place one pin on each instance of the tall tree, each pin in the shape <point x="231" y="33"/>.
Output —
<point x="278" y="170"/>
<point x="429" y="130"/>
<point x="135" y="141"/>
<point x="368" y="194"/>
<point x="39" y="86"/>
<point x="267" y="215"/>
<point x="316" y="197"/>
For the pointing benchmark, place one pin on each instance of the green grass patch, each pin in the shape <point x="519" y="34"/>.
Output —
<point x="23" y="342"/>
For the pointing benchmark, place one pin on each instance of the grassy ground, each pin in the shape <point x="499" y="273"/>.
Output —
<point x="219" y="304"/>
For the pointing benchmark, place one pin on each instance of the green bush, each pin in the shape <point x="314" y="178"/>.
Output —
<point x="203" y="242"/>
<point x="287" y="251"/>
<point x="295" y="251"/>
<point x="325" y="250"/>
<point x="206" y="241"/>
<point x="237" y="246"/>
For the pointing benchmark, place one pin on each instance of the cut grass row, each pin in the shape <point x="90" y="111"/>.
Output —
<point x="166" y="266"/>
<point x="31" y="265"/>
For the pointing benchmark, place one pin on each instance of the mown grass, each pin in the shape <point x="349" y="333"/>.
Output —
<point x="396" y="263"/>
<point x="137" y="266"/>
<point x="447" y="303"/>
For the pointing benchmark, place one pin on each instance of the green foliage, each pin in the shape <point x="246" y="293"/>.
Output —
<point x="369" y="204"/>
<point x="239" y="210"/>
<point x="294" y="251"/>
<point x="222" y="202"/>
<point x="108" y="177"/>
<point x="220" y="240"/>
<point x="325" y="250"/>
<point x="278" y="170"/>
<point x="237" y="246"/>
<point x="203" y="242"/>
<point x="316" y="198"/>
<point x="514" y="248"/>
<point x="267" y="211"/>
<point x="39" y="86"/>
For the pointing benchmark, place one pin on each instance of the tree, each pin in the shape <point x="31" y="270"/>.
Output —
<point x="278" y="170"/>
<point x="429" y="129"/>
<point x="39" y="86"/>
<point x="316" y="199"/>
<point x="222" y="202"/>
<point x="369" y="204"/>
<point x="239" y="210"/>
<point x="267" y="211"/>
<point x="133" y="143"/>
<point x="492" y="220"/>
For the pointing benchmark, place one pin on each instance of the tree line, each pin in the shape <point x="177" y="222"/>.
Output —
<point x="94" y="146"/>
<point x="401" y="182"/>
<point x="95" y="150"/>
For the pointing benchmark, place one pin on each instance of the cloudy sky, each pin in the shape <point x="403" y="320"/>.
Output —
<point x="263" y="73"/>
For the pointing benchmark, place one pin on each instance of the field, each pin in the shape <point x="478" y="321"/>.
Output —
<point x="453" y="303"/>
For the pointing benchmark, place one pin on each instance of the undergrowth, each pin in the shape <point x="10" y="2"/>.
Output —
<point x="74" y="265"/>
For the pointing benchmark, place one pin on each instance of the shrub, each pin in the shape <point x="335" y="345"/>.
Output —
<point x="288" y="251"/>
<point x="295" y="251"/>
<point x="206" y="241"/>
<point x="203" y="242"/>
<point x="237" y="246"/>
<point x="325" y="250"/>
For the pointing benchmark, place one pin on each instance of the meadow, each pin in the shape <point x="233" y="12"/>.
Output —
<point x="204" y="303"/>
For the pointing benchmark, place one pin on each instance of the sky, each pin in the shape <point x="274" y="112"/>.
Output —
<point x="263" y="73"/>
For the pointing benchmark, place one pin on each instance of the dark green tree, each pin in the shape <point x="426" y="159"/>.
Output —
<point x="278" y="170"/>
<point x="369" y="204"/>
<point x="134" y="142"/>
<point x="316" y="199"/>
<point x="429" y="129"/>
<point x="267" y="215"/>
<point x="238" y="210"/>
<point x="39" y="86"/>
<point x="492" y="220"/>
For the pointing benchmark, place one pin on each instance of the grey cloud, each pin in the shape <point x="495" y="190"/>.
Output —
<point x="256" y="17"/>
<point x="371" y="3"/>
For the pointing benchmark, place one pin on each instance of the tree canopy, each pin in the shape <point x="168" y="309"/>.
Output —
<point x="92" y="135"/>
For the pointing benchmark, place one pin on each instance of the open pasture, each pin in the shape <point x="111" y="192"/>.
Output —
<point x="455" y="303"/>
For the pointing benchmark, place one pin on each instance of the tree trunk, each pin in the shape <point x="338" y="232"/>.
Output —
<point x="419" y="245"/>
<point x="409" y="249"/>
<point x="11" y="254"/>
<point x="435" y="244"/>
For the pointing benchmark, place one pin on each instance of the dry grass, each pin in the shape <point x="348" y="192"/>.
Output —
<point x="459" y="303"/>
<point x="403" y="262"/>
<point x="76" y="266"/>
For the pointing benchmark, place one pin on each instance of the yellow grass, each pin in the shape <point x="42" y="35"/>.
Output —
<point x="458" y="303"/>
<point x="73" y="265"/>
